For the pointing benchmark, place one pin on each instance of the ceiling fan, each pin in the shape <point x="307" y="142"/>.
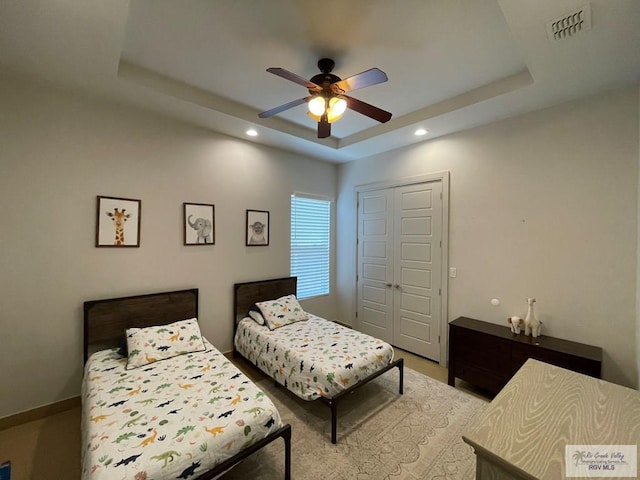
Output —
<point x="327" y="100"/>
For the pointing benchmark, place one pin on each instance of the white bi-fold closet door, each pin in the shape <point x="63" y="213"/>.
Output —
<point x="399" y="277"/>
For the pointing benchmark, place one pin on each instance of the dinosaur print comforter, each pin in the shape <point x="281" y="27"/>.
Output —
<point x="176" y="418"/>
<point x="313" y="358"/>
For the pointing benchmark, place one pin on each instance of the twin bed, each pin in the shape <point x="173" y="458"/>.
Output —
<point x="314" y="358"/>
<point x="193" y="415"/>
<point x="183" y="410"/>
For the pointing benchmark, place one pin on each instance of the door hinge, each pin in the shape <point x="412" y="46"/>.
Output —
<point x="440" y="291"/>
<point x="440" y="195"/>
<point x="356" y="314"/>
<point x="357" y="277"/>
<point x="438" y="338"/>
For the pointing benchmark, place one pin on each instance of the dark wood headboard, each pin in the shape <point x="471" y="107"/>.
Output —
<point x="246" y="294"/>
<point x="105" y="321"/>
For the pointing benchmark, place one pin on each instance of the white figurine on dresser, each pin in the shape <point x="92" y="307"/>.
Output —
<point x="532" y="325"/>
<point x="515" y="323"/>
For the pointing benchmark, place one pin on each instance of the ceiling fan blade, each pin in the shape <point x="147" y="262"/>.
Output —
<point x="324" y="128"/>
<point x="368" y="110"/>
<point x="284" y="107"/>
<point x="367" y="78"/>
<point x="286" y="74"/>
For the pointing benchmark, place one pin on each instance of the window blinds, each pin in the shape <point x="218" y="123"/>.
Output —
<point x="310" y="244"/>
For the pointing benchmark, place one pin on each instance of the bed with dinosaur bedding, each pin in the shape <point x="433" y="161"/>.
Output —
<point x="312" y="357"/>
<point x="159" y="401"/>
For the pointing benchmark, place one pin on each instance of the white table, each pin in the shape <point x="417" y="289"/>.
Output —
<point x="543" y="408"/>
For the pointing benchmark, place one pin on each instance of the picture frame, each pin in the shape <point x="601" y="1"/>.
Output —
<point x="257" y="228"/>
<point x="118" y="222"/>
<point x="199" y="224"/>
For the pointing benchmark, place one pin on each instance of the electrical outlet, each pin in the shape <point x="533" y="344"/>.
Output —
<point x="453" y="272"/>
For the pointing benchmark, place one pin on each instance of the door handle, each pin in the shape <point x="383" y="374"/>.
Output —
<point x="397" y="286"/>
<point x="389" y="285"/>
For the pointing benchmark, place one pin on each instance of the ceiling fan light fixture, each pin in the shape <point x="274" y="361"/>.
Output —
<point x="337" y="107"/>
<point x="335" y="110"/>
<point x="316" y="106"/>
<point x="327" y="100"/>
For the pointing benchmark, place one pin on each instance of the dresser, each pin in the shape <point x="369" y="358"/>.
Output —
<point x="488" y="355"/>
<point x="530" y="428"/>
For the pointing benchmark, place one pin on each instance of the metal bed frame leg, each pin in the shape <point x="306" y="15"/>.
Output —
<point x="333" y="402"/>
<point x="286" y="435"/>
<point x="334" y="421"/>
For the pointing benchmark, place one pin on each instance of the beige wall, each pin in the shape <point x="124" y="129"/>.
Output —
<point x="543" y="205"/>
<point x="638" y="265"/>
<point x="57" y="153"/>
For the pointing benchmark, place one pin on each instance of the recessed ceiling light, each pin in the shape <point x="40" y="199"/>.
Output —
<point x="420" y="132"/>
<point x="252" y="133"/>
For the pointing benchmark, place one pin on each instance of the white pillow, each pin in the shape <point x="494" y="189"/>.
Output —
<point x="256" y="315"/>
<point x="150" y="344"/>
<point x="283" y="311"/>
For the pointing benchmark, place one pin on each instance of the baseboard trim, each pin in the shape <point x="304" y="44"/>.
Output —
<point x="39" y="413"/>
<point x="343" y="324"/>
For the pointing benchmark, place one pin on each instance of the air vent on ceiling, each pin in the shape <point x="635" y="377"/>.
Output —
<point x="570" y="24"/>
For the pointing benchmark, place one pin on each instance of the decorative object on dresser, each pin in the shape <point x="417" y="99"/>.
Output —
<point x="488" y="355"/>
<point x="515" y="323"/>
<point x="531" y="323"/>
<point x="529" y="430"/>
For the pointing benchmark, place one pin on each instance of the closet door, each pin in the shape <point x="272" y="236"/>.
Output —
<point x="417" y="268"/>
<point x="375" y="264"/>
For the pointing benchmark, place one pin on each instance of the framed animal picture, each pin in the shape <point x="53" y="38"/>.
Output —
<point x="118" y="222"/>
<point x="257" y="228"/>
<point x="199" y="224"/>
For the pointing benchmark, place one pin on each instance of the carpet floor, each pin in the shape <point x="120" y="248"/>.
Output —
<point x="381" y="434"/>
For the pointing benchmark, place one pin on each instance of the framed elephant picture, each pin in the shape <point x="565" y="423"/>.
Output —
<point x="199" y="224"/>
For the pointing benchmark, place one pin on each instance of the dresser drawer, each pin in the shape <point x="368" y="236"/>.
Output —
<point x="520" y="353"/>
<point x="482" y="377"/>
<point x="491" y="353"/>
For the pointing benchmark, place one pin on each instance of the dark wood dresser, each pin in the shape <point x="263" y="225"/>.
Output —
<point x="488" y="355"/>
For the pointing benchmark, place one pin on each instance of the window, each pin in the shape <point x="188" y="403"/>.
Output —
<point x="310" y="244"/>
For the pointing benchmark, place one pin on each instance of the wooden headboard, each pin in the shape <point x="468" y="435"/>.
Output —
<point x="246" y="294"/>
<point x="105" y="321"/>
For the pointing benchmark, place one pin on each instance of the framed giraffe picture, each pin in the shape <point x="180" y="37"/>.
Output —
<point x="118" y="222"/>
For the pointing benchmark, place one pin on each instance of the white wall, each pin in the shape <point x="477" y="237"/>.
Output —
<point x="58" y="152"/>
<point x="543" y="205"/>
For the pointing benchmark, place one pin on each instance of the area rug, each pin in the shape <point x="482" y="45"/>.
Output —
<point x="381" y="434"/>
